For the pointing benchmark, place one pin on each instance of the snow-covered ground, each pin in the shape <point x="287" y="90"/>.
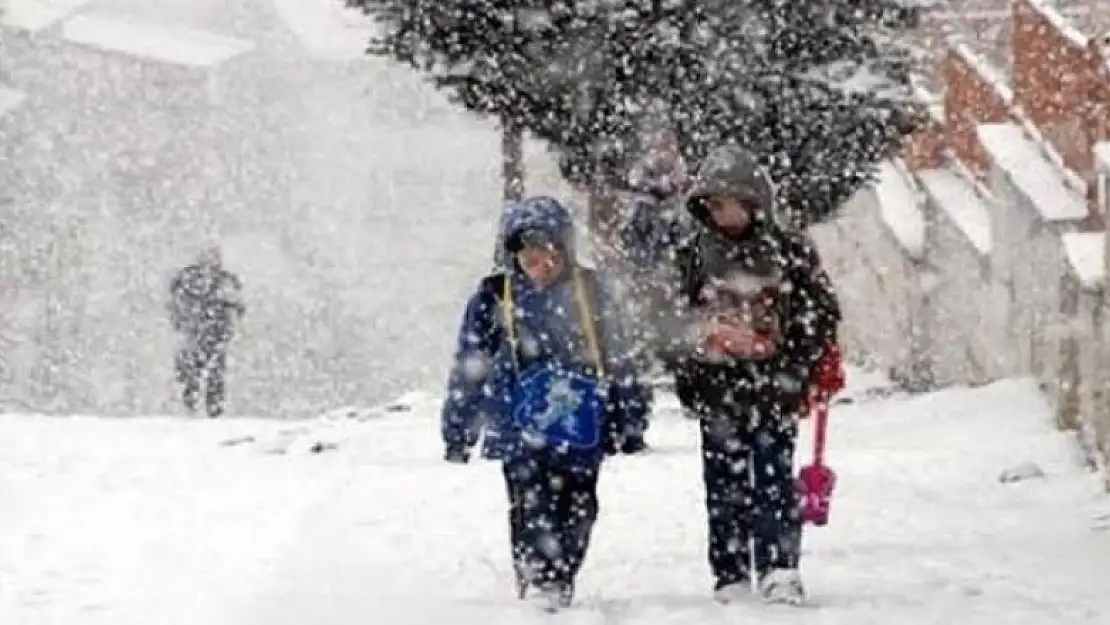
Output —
<point x="380" y="200"/>
<point x="238" y="522"/>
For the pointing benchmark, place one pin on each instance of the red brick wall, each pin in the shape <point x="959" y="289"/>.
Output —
<point x="1098" y="101"/>
<point x="970" y="99"/>
<point x="1060" y="84"/>
<point x="925" y="148"/>
<point x="1052" y="79"/>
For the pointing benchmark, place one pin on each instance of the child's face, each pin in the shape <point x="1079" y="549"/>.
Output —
<point x="542" y="265"/>
<point x="728" y="213"/>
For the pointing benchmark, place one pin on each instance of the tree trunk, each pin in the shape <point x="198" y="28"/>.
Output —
<point x="512" y="159"/>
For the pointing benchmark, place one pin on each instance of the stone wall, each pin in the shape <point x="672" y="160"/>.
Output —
<point x="1010" y="186"/>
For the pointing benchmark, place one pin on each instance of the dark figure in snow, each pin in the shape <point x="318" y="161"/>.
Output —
<point x="542" y="361"/>
<point x="653" y="206"/>
<point x="204" y="307"/>
<point x="754" y="314"/>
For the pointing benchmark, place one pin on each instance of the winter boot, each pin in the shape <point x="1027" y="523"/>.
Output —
<point x="214" y="401"/>
<point x="189" y="396"/>
<point x="733" y="592"/>
<point x="633" y="445"/>
<point x="566" y="594"/>
<point x="522" y="584"/>
<point x="549" y="599"/>
<point x="782" y="586"/>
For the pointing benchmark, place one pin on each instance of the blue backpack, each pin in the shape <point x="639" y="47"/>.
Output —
<point x="554" y="407"/>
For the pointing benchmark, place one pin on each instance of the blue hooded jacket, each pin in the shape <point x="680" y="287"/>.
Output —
<point x="548" y="330"/>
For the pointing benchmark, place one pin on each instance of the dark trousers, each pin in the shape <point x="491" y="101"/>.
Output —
<point x="749" y="498"/>
<point x="202" y="361"/>
<point x="552" y="510"/>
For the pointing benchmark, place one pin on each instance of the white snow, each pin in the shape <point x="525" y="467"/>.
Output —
<point x="954" y="195"/>
<point x="1031" y="173"/>
<point x="1086" y="253"/>
<point x="35" y="15"/>
<point x="327" y="28"/>
<point x="10" y="98"/>
<point x="1102" y="155"/>
<point x="155" y="520"/>
<point x="901" y="208"/>
<point x="171" y="45"/>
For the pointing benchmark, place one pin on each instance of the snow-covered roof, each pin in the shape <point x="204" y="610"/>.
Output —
<point x="1102" y="156"/>
<point x="327" y="28"/>
<point x="900" y="208"/>
<point x="1031" y="172"/>
<point x="36" y="15"/>
<point x="1086" y="252"/>
<point x="9" y="99"/>
<point x="958" y="199"/>
<point x="986" y="71"/>
<point x="148" y="40"/>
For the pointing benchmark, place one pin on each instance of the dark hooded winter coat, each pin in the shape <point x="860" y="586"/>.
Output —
<point x="549" y="331"/>
<point x="775" y="260"/>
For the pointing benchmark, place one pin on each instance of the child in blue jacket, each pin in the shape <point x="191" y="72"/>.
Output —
<point x="543" y="360"/>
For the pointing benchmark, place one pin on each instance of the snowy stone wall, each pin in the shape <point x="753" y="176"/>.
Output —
<point x="871" y="254"/>
<point x="1013" y="188"/>
<point x="959" y="243"/>
<point x="1083" y="379"/>
<point x="1033" y="208"/>
<point x="1082" y="376"/>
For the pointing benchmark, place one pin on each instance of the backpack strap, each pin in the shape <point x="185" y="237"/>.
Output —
<point x="501" y="287"/>
<point x="589" y="327"/>
<point x="585" y="310"/>
<point x="509" y="310"/>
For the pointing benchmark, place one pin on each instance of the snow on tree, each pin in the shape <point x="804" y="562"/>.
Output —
<point x="484" y="53"/>
<point x="818" y="88"/>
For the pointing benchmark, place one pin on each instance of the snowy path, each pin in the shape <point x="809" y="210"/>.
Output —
<point x="923" y="532"/>
<point x="144" y="521"/>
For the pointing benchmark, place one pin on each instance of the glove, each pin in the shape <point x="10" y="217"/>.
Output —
<point x="612" y="445"/>
<point x="457" y="455"/>
<point x="633" y="445"/>
<point x="830" y="377"/>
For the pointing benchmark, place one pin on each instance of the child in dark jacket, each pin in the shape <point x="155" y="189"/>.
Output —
<point x="544" y="360"/>
<point x="752" y="315"/>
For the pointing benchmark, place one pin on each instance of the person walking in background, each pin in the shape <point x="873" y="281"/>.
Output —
<point x="641" y="257"/>
<point x="205" y="305"/>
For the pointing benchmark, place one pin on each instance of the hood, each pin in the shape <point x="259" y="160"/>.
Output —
<point x="734" y="171"/>
<point x="499" y="253"/>
<point x="662" y="186"/>
<point x="541" y="213"/>
<point x="659" y="178"/>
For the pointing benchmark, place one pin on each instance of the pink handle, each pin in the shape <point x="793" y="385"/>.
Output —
<point x="821" y="427"/>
